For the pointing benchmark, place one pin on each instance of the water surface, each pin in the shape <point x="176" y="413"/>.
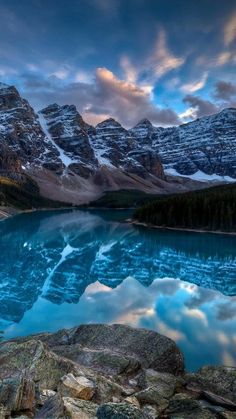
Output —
<point x="59" y="269"/>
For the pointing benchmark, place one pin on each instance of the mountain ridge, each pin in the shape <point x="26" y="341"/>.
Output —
<point x="74" y="161"/>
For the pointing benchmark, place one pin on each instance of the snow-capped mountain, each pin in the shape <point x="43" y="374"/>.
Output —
<point x="207" y="145"/>
<point x="74" y="161"/>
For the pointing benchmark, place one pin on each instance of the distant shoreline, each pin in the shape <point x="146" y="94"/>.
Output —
<point x="188" y="230"/>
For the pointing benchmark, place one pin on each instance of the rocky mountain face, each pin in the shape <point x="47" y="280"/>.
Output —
<point x="207" y="144"/>
<point x="21" y="132"/>
<point x="65" y="155"/>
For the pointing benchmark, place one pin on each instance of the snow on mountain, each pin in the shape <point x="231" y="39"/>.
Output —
<point x="207" y="145"/>
<point x="60" y="146"/>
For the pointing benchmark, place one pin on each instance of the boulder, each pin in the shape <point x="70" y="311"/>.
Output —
<point x="182" y="406"/>
<point x="35" y="360"/>
<point x="164" y="383"/>
<point x="79" y="387"/>
<point x="151" y="395"/>
<point x="149" y="348"/>
<point x="119" y="411"/>
<point x="79" y="409"/>
<point x="18" y="393"/>
<point x="67" y="407"/>
<point x="218" y="380"/>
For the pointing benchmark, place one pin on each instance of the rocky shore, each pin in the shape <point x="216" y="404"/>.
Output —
<point x="108" y="372"/>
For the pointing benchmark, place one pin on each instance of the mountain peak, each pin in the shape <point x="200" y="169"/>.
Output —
<point x="144" y="122"/>
<point x="109" y="123"/>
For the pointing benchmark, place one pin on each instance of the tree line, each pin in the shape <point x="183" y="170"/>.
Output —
<point x="209" y="209"/>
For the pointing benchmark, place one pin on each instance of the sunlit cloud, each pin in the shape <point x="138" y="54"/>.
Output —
<point x="230" y="30"/>
<point x="130" y="73"/>
<point x="163" y="60"/>
<point x="195" y="85"/>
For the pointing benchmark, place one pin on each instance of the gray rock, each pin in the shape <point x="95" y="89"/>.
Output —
<point x="38" y="363"/>
<point x="149" y="348"/>
<point x="151" y="395"/>
<point x="183" y="406"/>
<point x="119" y="411"/>
<point x="219" y="380"/>
<point x="150" y="412"/>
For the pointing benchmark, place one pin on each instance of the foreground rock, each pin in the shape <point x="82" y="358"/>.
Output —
<point x="113" y="372"/>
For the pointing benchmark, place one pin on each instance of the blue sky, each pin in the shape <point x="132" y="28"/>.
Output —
<point x="168" y="60"/>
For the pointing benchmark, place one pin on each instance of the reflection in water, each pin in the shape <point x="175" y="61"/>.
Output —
<point x="180" y="284"/>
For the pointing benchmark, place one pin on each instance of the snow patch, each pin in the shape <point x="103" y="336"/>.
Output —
<point x="63" y="156"/>
<point x="201" y="176"/>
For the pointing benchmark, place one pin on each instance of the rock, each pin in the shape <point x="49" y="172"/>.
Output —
<point x="21" y="132"/>
<point x="150" y="412"/>
<point x="207" y="144"/>
<point x="18" y="393"/>
<point x="4" y="412"/>
<point x="38" y="363"/>
<point x="151" y="395"/>
<point x="45" y="394"/>
<point x="103" y="360"/>
<point x="106" y="389"/>
<point x="218" y="400"/>
<point x="67" y="129"/>
<point x="227" y="415"/>
<point x="164" y="383"/>
<point x="218" y="380"/>
<point x="53" y="408"/>
<point x="79" y="387"/>
<point x="67" y="407"/>
<point x="79" y="409"/>
<point x="132" y="400"/>
<point x="149" y="348"/>
<point x="119" y="411"/>
<point x="182" y="406"/>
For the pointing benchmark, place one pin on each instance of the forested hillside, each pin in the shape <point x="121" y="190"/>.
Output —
<point x="24" y="194"/>
<point x="210" y="209"/>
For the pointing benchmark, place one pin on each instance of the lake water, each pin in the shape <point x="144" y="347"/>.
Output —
<point x="63" y="268"/>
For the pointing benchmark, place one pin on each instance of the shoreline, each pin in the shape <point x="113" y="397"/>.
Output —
<point x="187" y="230"/>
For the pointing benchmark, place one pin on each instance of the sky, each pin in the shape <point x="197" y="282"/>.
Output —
<point x="170" y="61"/>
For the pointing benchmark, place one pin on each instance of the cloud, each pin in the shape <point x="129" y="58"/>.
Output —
<point x="105" y="95"/>
<point x="162" y="59"/>
<point x="225" y="90"/>
<point x="61" y="73"/>
<point x="227" y="310"/>
<point x="200" y="107"/>
<point x="195" y="85"/>
<point x="225" y="58"/>
<point x="156" y="64"/>
<point x="230" y="30"/>
<point x="130" y="72"/>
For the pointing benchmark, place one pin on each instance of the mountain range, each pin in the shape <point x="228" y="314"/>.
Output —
<point x="76" y="162"/>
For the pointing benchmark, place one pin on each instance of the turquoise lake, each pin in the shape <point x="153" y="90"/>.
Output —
<point x="59" y="269"/>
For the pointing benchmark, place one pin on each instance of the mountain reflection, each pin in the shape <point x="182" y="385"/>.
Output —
<point x="57" y="255"/>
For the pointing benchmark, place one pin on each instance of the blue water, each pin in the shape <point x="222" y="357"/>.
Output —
<point x="59" y="269"/>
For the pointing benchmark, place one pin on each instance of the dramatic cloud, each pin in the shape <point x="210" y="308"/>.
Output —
<point x="200" y="107"/>
<point x="106" y="95"/>
<point x="225" y="90"/>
